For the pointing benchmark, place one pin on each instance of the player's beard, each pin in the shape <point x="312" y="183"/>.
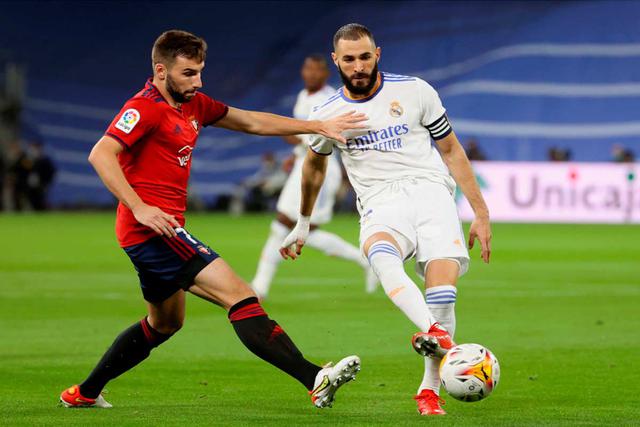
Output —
<point x="179" y="97"/>
<point x="360" y="90"/>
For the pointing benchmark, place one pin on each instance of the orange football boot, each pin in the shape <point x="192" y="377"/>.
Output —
<point x="429" y="403"/>
<point x="435" y="343"/>
<point x="71" y="398"/>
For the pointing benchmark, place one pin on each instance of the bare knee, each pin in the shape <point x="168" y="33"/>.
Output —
<point x="441" y="272"/>
<point x="166" y="326"/>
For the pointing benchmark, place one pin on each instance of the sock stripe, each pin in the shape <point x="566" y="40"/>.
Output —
<point x="384" y="245"/>
<point x="441" y="296"/>
<point x="441" y="301"/>
<point x="383" y="250"/>
<point x="146" y="329"/>
<point x="246" y="312"/>
<point x="432" y="293"/>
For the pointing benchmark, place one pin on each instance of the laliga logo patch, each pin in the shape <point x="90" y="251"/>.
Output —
<point x="396" y="109"/>
<point x="128" y="121"/>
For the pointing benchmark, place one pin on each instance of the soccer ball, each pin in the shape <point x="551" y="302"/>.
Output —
<point x="469" y="372"/>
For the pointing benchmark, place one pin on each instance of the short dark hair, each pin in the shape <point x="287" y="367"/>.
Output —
<point x="174" y="43"/>
<point x="319" y="58"/>
<point x="352" y="31"/>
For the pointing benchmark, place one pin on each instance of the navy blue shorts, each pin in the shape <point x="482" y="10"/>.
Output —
<point x="165" y="265"/>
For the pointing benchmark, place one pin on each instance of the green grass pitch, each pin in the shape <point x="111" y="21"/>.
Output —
<point x="559" y="306"/>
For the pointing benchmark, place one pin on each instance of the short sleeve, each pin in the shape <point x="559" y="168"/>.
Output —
<point x="318" y="143"/>
<point x="212" y="110"/>
<point x="433" y="113"/>
<point x="135" y="120"/>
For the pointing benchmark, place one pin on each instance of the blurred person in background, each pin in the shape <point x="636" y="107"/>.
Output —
<point x="41" y="173"/>
<point x="17" y="176"/>
<point x="2" y="176"/>
<point x="473" y="150"/>
<point x="556" y="154"/>
<point x="620" y="154"/>
<point x="315" y="73"/>
<point x="256" y="192"/>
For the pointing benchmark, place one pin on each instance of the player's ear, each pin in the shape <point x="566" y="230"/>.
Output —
<point x="160" y="70"/>
<point x="378" y="52"/>
<point x="334" y="58"/>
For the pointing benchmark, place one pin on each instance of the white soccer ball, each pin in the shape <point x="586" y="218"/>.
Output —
<point x="469" y="372"/>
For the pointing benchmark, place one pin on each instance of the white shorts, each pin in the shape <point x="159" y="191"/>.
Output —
<point x="289" y="201"/>
<point x="422" y="216"/>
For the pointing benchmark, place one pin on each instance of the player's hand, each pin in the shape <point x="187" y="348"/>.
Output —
<point x="154" y="218"/>
<point x="334" y="127"/>
<point x="481" y="229"/>
<point x="292" y="245"/>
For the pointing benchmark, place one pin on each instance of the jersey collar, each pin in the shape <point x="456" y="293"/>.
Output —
<point x="368" y="98"/>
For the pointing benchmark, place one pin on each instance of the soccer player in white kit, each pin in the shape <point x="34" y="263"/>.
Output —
<point x="405" y="193"/>
<point x="315" y="73"/>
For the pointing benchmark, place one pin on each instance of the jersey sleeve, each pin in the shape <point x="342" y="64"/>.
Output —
<point x="135" y="120"/>
<point x="434" y="116"/>
<point x="318" y="143"/>
<point x="212" y="110"/>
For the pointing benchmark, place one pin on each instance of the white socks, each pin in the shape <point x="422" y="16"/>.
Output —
<point x="386" y="261"/>
<point x="269" y="260"/>
<point x="441" y="301"/>
<point x="334" y="245"/>
<point x="328" y="243"/>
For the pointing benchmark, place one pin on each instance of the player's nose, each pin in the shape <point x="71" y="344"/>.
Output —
<point x="197" y="82"/>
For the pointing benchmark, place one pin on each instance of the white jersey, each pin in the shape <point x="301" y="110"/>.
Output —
<point x="289" y="200"/>
<point x="403" y="113"/>
<point x="302" y="109"/>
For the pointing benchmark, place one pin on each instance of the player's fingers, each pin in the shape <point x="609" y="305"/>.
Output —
<point x="172" y="220"/>
<point x="283" y="253"/>
<point x="154" y="228"/>
<point x="472" y="237"/>
<point x="299" y="245"/>
<point x="358" y="121"/>
<point x="488" y="249"/>
<point x="485" y="248"/>
<point x="166" y="227"/>
<point x="339" y="138"/>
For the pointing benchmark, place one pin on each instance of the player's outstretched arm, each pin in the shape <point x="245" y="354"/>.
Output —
<point x="260" y="123"/>
<point x="456" y="159"/>
<point x="104" y="158"/>
<point x="314" y="170"/>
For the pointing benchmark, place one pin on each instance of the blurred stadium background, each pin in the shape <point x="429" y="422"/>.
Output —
<point x="549" y="93"/>
<point x="525" y="81"/>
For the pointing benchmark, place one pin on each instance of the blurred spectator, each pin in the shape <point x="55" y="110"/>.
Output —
<point x="259" y="191"/>
<point x="619" y="154"/>
<point x="41" y="173"/>
<point x="18" y="167"/>
<point x="559" y="155"/>
<point x="2" y="176"/>
<point x="473" y="150"/>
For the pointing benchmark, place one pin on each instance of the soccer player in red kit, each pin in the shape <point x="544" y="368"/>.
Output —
<point x="144" y="159"/>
